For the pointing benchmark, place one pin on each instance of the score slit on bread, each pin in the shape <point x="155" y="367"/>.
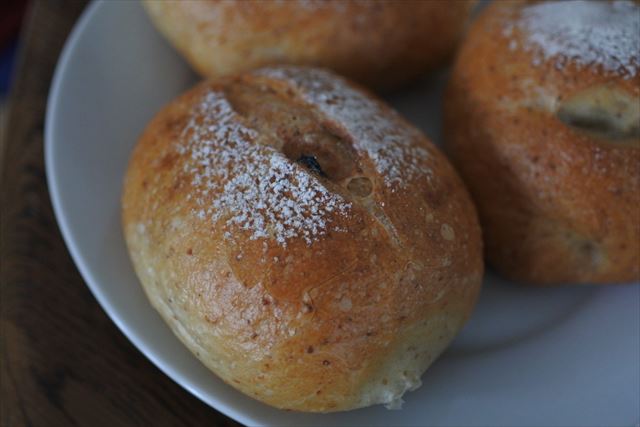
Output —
<point x="381" y="43"/>
<point x="305" y="242"/>
<point x="542" y="119"/>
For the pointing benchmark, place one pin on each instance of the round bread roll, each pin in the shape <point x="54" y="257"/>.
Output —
<point x="542" y="119"/>
<point x="305" y="242"/>
<point x="379" y="43"/>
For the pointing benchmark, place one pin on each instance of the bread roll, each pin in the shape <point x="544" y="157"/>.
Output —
<point x="305" y="242"/>
<point x="379" y="43"/>
<point x="543" y="122"/>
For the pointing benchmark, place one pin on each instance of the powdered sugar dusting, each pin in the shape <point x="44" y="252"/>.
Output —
<point x="381" y="134"/>
<point x="251" y="186"/>
<point x="590" y="33"/>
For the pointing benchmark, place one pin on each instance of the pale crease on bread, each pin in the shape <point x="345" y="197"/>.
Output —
<point x="379" y="43"/>
<point x="305" y="242"/>
<point x="542" y="119"/>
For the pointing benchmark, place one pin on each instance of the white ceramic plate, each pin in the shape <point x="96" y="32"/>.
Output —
<point x="528" y="357"/>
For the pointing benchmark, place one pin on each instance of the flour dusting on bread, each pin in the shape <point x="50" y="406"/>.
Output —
<point x="251" y="186"/>
<point x="588" y="33"/>
<point x="388" y="141"/>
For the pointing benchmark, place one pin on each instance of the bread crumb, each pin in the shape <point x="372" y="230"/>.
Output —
<point x="447" y="233"/>
<point x="345" y="304"/>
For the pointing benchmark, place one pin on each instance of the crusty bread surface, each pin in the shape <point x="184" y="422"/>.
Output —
<point x="378" y="43"/>
<point x="542" y="119"/>
<point x="305" y="242"/>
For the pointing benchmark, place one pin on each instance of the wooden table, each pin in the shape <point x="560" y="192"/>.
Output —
<point x="62" y="361"/>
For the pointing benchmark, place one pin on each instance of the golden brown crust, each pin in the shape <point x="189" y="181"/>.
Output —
<point x="550" y="150"/>
<point x="314" y="293"/>
<point x="379" y="43"/>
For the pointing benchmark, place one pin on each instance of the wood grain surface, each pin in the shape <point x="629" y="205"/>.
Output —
<point x="62" y="361"/>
